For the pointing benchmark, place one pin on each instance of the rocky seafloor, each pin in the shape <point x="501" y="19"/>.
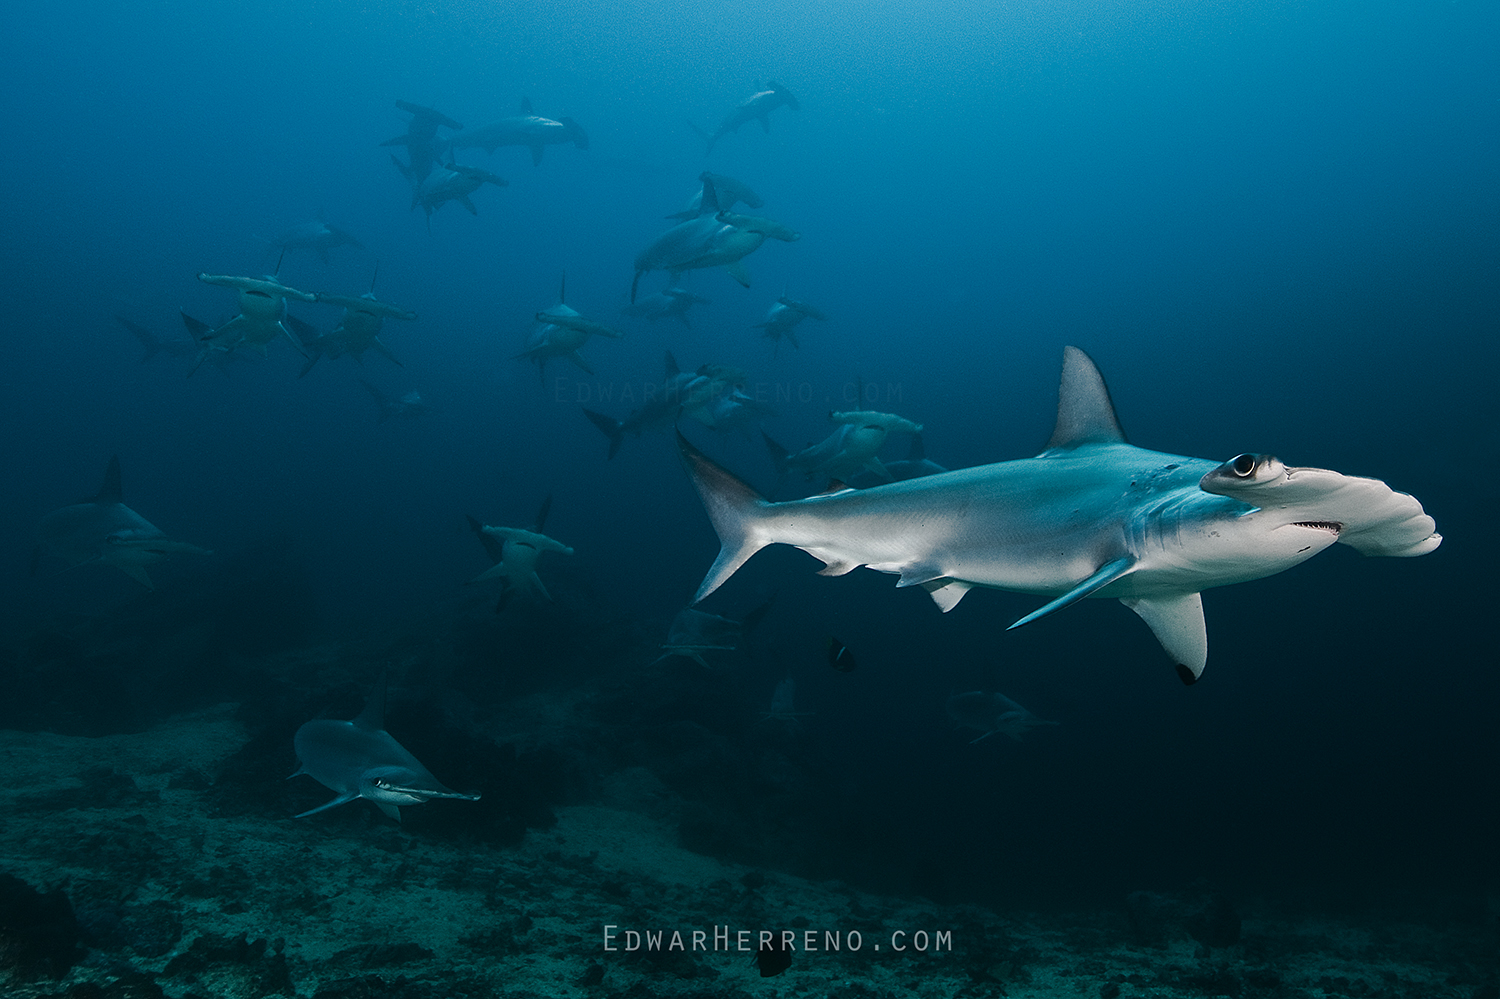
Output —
<point x="132" y="870"/>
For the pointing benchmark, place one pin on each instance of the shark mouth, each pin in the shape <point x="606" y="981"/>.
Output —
<point x="1330" y="526"/>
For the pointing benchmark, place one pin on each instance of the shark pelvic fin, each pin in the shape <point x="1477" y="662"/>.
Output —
<point x="1102" y="577"/>
<point x="946" y="593"/>
<point x="1085" y="414"/>
<point x="1177" y="622"/>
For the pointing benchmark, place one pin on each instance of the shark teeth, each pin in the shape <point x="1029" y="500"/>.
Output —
<point x="1330" y="526"/>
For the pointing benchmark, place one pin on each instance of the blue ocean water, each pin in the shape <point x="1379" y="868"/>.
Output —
<point x="1273" y="225"/>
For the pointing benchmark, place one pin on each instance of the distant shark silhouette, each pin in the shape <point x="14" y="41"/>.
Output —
<point x="715" y="238"/>
<point x="853" y="448"/>
<point x="757" y="106"/>
<point x="359" y="759"/>
<point x="103" y="529"/>
<point x="1091" y="516"/>
<point x="992" y="714"/>
<point x="561" y="332"/>
<point x="525" y="129"/>
<point x="515" y="552"/>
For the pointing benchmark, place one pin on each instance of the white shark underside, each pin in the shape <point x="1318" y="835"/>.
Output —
<point x="1092" y="516"/>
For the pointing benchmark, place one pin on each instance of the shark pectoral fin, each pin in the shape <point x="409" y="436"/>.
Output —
<point x="340" y="800"/>
<point x="1102" y="577"/>
<point x="737" y="271"/>
<point x="536" y="584"/>
<point x="463" y="200"/>
<point x="1177" y="623"/>
<point x="577" y="359"/>
<point x="137" y="573"/>
<point x="946" y="593"/>
<point x="390" y="810"/>
<point x="386" y="353"/>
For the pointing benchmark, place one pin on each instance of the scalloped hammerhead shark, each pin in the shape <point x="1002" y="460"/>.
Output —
<point x="359" y="759"/>
<point x="1091" y="516"/>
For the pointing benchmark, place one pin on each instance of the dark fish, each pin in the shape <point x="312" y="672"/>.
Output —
<point x="773" y="958"/>
<point x="839" y="656"/>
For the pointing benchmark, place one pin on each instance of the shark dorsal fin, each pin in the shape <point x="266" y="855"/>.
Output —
<point x="373" y="278"/>
<point x="671" y="364"/>
<point x="541" y="514"/>
<point x="526" y="107"/>
<point x="710" y="203"/>
<point x="110" y="492"/>
<point x="1085" y="414"/>
<point x="372" y="718"/>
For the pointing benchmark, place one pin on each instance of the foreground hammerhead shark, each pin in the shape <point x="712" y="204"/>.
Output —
<point x="1091" y="516"/>
<point x="103" y="529"/>
<point x="359" y="759"/>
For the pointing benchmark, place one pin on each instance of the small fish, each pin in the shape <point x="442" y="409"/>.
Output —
<point x="773" y="958"/>
<point x="839" y="656"/>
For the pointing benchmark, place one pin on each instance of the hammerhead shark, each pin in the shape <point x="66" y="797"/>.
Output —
<point x="320" y="237"/>
<point x="716" y="238"/>
<point x="421" y="141"/>
<point x="103" y="529"/>
<point x="561" y="332"/>
<point x="730" y="193"/>
<point x="358" y="332"/>
<point x="671" y="303"/>
<point x="757" y="106"/>
<point x="784" y="317"/>
<point x="694" y="632"/>
<point x="1091" y="516"/>
<point x="449" y="182"/>
<point x="992" y="713"/>
<point x="525" y="129"/>
<point x="712" y="395"/>
<point x="262" y="308"/>
<point x="854" y="447"/>
<point x="515" y="552"/>
<point x="405" y="407"/>
<point x="359" y="759"/>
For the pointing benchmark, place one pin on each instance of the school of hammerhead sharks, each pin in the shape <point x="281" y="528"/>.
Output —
<point x="1090" y="516"/>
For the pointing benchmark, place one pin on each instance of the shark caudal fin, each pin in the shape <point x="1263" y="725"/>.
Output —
<point x="575" y="132"/>
<point x="1085" y="414"/>
<point x="609" y="427"/>
<point x="735" y="509"/>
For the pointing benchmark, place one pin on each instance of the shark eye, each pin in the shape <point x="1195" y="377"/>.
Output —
<point x="1243" y="466"/>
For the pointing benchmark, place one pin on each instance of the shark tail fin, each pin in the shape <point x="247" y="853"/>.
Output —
<point x="109" y="491"/>
<point x="609" y="427"/>
<point x="575" y="132"/>
<point x="787" y="97"/>
<point x="736" y="510"/>
<point x="1085" y="413"/>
